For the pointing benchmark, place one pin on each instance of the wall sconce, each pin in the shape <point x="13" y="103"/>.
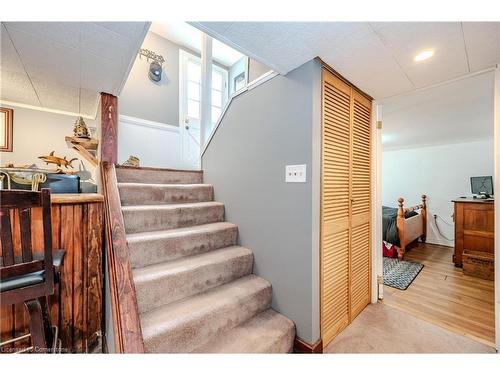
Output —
<point x="155" y="68"/>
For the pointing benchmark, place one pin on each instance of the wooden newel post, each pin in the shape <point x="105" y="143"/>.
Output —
<point x="401" y="228"/>
<point x="424" y="218"/>
<point x="109" y="128"/>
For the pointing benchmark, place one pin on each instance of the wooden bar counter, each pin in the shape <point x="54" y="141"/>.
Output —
<point x="77" y="227"/>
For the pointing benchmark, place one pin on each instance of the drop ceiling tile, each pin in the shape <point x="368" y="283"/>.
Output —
<point x="267" y="39"/>
<point x="381" y="77"/>
<point x="483" y="44"/>
<point x="67" y="33"/>
<point x="16" y="87"/>
<point x="130" y="30"/>
<point x="46" y="59"/>
<point x="56" y="95"/>
<point x="405" y="39"/>
<point x="90" y="101"/>
<point x="101" y="74"/>
<point x="9" y="59"/>
<point x="105" y="43"/>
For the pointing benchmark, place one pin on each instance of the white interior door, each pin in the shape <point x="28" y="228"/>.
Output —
<point x="190" y="108"/>
<point x="190" y="84"/>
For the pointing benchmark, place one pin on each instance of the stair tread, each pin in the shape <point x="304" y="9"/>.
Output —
<point x="260" y="334"/>
<point x="155" y="271"/>
<point x="177" y="232"/>
<point x="166" y="317"/>
<point x="168" y="206"/>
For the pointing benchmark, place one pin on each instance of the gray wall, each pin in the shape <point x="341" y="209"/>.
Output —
<point x="264" y="130"/>
<point x="256" y="69"/>
<point x="149" y="100"/>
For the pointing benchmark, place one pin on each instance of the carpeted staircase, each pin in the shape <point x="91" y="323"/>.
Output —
<point x="194" y="284"/>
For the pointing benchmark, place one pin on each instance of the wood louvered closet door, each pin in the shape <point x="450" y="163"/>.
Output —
<point x="345" y="205"/>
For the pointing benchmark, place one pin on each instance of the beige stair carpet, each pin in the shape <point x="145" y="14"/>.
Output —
<point x="194" y="284"/>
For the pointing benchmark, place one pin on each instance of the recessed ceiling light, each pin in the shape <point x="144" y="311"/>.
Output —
<point x="424" y="55"/>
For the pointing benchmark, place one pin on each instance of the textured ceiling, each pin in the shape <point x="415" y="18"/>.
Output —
<point x="376" y="56"/>
<point x="188" y="36"/>
<point x="438" y="115"/>
<point x="65" y="65"/>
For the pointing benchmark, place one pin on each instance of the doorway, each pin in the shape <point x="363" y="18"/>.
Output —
<point x="190" y="105"/>
<point x="440" y="293"/>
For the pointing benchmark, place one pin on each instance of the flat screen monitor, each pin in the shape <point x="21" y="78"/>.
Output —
<point x="482" y="185"/>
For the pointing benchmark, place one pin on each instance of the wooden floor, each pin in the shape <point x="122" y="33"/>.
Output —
<point x="442" y="295"/>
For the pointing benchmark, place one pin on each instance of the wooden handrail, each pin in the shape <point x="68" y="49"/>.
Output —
<point x="126" y="323"/>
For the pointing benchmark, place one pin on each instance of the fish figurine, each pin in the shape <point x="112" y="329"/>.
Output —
<point x="51" y="159"/>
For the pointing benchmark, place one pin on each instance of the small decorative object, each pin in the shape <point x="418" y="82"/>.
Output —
<point x="155" y="69"/>
<point x="6" y="129"/>
<point x="132" y="161"/>
<point x="80" y="130"/>
<point x="60" y="162"/>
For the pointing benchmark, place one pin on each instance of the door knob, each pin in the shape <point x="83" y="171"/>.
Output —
<point x="187" y="127"/>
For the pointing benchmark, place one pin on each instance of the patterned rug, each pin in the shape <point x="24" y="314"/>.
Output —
<point x="400" y="274"/>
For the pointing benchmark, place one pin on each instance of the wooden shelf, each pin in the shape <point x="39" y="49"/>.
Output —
<point x="89" y="144"/>
<point x="87" y="148"/>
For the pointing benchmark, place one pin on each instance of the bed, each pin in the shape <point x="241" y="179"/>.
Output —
<point x="402" y="226"/>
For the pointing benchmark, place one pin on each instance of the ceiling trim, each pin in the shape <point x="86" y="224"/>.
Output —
<point x="443" y="83"/>
<point x="45" y="109"/>
<point x="132" y="61"/>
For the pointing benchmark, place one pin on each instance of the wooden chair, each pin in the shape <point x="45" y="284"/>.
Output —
<point x="26" y="279"/>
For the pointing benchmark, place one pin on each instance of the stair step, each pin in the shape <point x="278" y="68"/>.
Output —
<point x="148" y="218"/>
<point x="158" y="175"/>
<point x="162" y="246"/>
<point x="267" y="332"/>
<point x="184" y="325"/>
<point x="144" y="194"/>
<point x="164" y="283"/>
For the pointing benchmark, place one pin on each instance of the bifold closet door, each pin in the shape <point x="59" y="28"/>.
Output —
<point x="335" y="205"/>
<point x="345" y="205"/>
<point x="360" y="254"/>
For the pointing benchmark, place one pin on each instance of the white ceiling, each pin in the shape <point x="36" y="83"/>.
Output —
<point x="188" y="36"/>
<point x="438" y="115"/>
<point x="375" y="56"/>
<point x="47" y="64"/>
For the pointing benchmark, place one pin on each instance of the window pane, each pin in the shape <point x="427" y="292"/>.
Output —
<point x="217" y="80"/>
<point x="194" y="71"/>
<point x="193" y="91"/>
<point x="215" y="114"/>
<point x="217" y="98"/>
<point x="193" y="109"/>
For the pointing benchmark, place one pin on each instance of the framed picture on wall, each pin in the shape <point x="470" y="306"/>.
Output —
<point x="6" y="128"/>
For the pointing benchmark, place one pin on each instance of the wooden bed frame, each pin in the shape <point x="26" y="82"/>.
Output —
<point x="412" y="228"/>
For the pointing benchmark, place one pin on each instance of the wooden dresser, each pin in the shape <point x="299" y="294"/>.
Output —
<point x="474" y="228"/>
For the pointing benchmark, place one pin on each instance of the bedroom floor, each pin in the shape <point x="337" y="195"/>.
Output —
<point x="442" y="295"/>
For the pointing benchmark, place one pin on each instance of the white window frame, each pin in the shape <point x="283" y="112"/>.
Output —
<point x="184" y="58"/>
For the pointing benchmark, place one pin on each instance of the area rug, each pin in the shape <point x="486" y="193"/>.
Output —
<point x="400" y="274"/>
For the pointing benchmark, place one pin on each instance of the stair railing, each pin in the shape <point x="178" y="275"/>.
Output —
<point x="125" y="314"/>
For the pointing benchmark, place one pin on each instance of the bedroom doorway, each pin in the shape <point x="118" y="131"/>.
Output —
<point x="426" y="152"/>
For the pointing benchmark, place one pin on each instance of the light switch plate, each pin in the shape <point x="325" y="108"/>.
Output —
<point x="296" y="173"/>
